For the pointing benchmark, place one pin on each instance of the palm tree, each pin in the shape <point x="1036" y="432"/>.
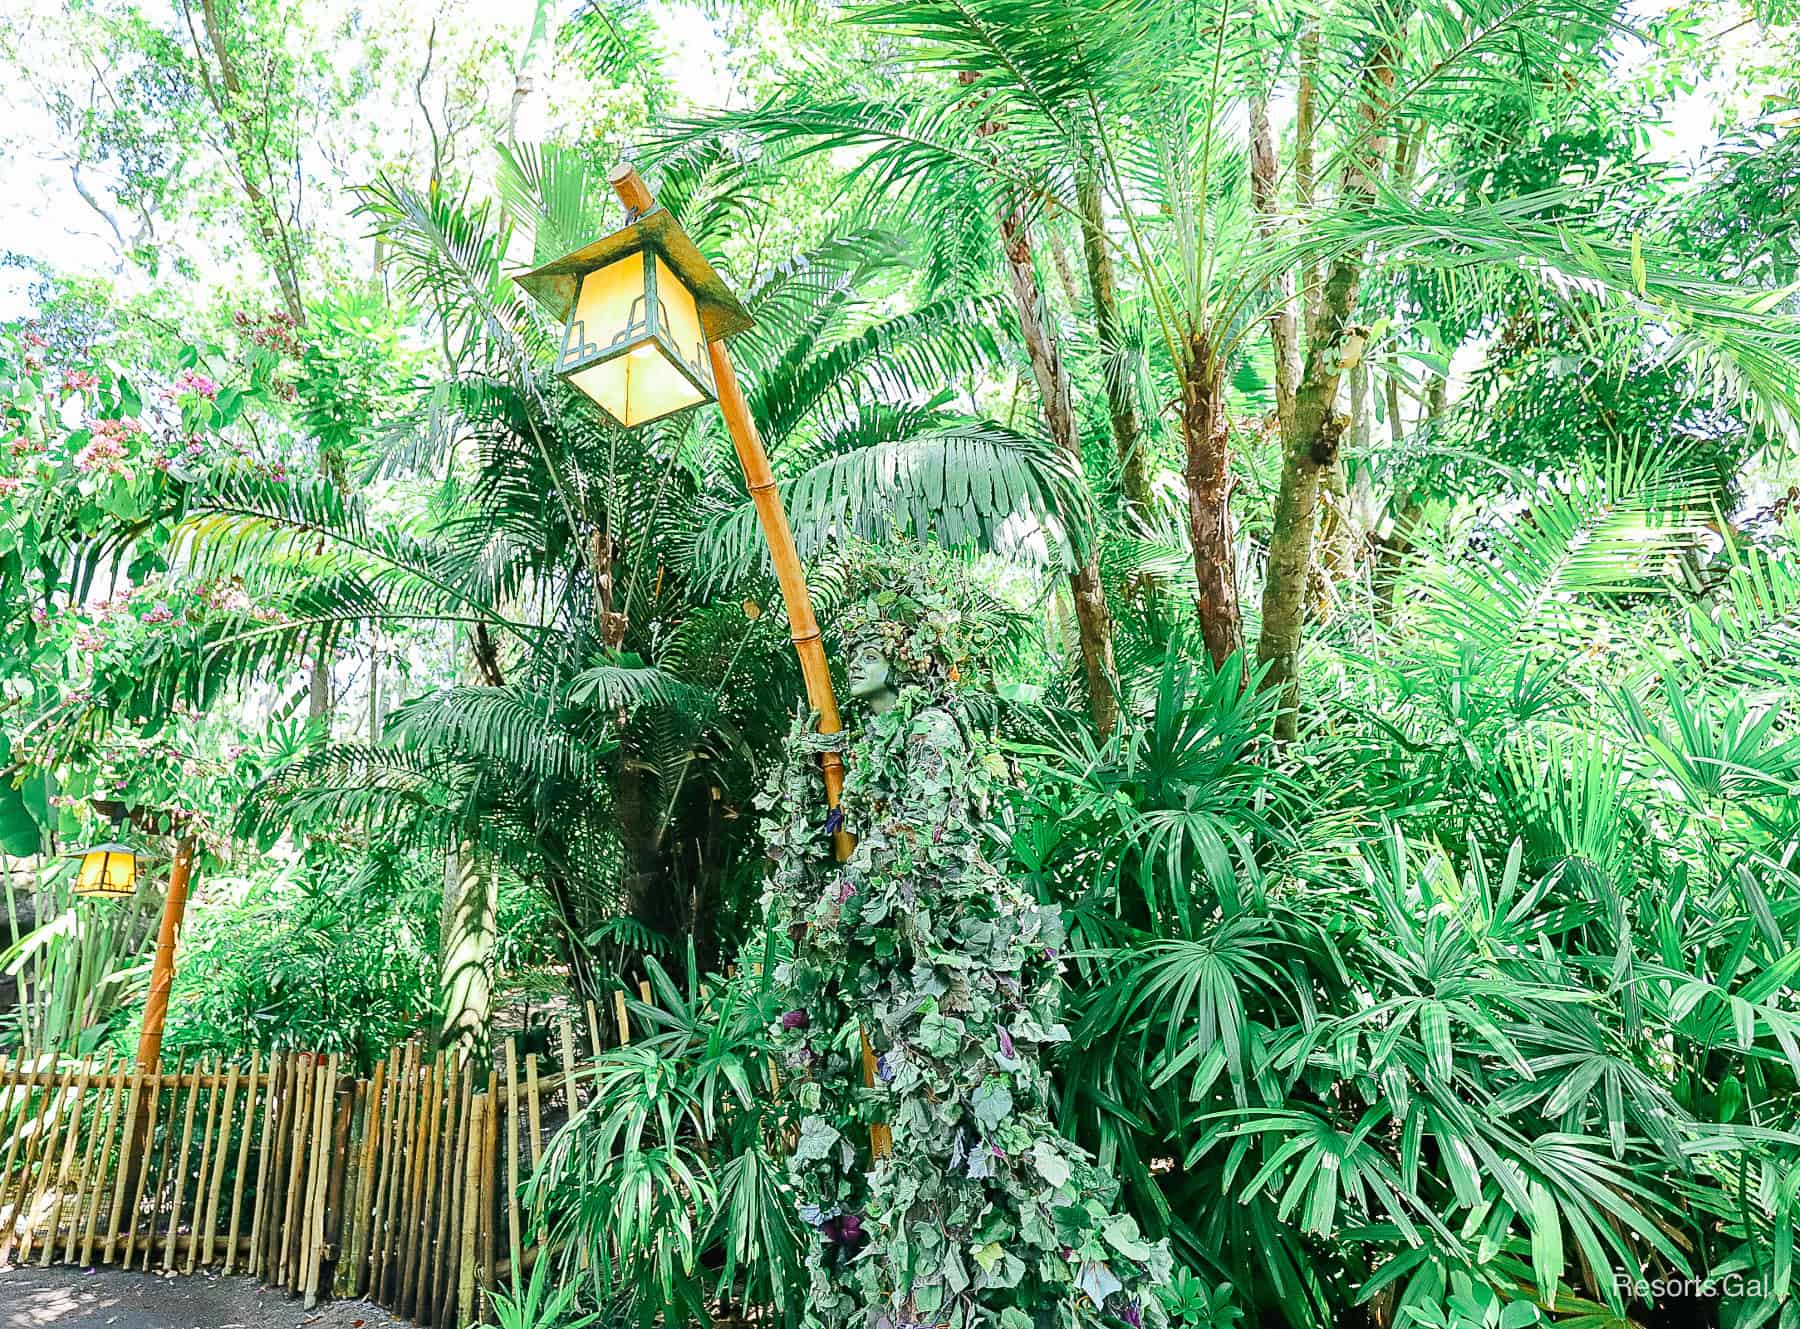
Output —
<point x="1028" y="103"/>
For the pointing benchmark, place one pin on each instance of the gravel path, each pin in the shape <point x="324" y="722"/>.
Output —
<point x="107" y="1298"/>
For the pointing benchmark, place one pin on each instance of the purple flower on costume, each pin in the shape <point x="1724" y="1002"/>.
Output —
<point x="795" y="1020"/>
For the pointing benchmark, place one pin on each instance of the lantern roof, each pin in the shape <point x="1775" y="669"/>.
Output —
<point x="110" y="847"/>
<point x="554" y="284"/>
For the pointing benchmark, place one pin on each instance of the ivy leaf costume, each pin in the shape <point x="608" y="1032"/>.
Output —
<point x="981" y="1215"/>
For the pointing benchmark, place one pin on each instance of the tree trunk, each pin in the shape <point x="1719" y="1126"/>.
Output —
<point x="466" y="954"/>
<point x="1103" y="289"/>
<point x="1208" y="475"/>
<point x="648" y="884"/>
<point x="1092" y="615"/>
<point x="1333" y="346"/>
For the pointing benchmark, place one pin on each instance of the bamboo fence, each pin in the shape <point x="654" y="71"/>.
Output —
<point x="402" y="1187"/>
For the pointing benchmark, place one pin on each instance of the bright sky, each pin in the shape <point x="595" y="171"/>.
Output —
<point x="42" y="216"/>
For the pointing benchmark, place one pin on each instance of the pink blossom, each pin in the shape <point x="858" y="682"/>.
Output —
<point x="199" y="385"/>
<point x="31" y="338"/>
<point x="105" y="453"/>
<point x="161" y="614"/>
<point x="10" y="485"/>
<point x="86" y="640"/>
<point x="79" y="380"/>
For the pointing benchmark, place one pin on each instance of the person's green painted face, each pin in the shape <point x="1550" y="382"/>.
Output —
<point x="871" y="678"/>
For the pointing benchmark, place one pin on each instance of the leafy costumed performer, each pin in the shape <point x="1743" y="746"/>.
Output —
<point x="981" y="1214"/>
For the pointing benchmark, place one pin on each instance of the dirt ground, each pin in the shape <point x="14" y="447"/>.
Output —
<point x="106" y="1298"/>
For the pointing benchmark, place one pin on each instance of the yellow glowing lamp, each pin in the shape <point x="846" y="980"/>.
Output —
<point x="638" y="309"/>
<point x="108" y="871"/>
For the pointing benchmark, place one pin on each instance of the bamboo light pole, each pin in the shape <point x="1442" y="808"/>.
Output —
<point x="162" y="971"/>
<point x="803" y="624"/>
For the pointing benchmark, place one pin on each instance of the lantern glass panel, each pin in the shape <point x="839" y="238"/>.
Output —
<point x="107" y="870"/>
<point x="634" y="341"/>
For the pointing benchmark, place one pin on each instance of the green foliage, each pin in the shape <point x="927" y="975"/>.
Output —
<point x="979" y="1213"/>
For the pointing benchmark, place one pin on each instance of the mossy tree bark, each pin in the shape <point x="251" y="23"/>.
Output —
<point x="1311" y="444"/>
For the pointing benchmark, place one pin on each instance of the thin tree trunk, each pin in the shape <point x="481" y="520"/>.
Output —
<point x="1333" y="347"/>
<point x="1103" y="289"/>
<point x="1093" y="616"/>
<point x="466" y="950"/>
<point x="1208" y="475"/>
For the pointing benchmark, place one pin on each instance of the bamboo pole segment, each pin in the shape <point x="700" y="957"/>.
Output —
<point x="28" y="1085"/>
<point x="399" y="1154"/>
<point x="374" y="1121"/>
<point x="416" y="1262"/>
<point x="31" y="1176"/>
<point x="535" y="1108"/>
<point x="407" y="1209"/>
<point x="46" y="1153"/>
<point x="346" y="1097"/>
<point x="514" y="1246"/>
<point x="593" y="1025"/>
<point x="98" y="1186"/>
<point x="382" y="1163"/>
<point x="568" y="1059"/>
<point x="142" y="1142"/>
<point x="470" y="1212"/>
<point x="121" y="1183"/>
<point x="281" y="1188"/>
<point x="202" y="1181"/>
<point x="266" y="1149"/>
<point x="803" y="625"/>
<point x="305" y="1238"/>
<point x="490" y="1147"/>
<point x="162" y="1167"/>
<point x="449" y="1193"/>
<point x="312" y="1225"/>
<point x="624" y="1019"/>
<point x="162" y="971"/>
<point x="243" y="1163"/>
<point x="72" y="1135"/>
<point x="287" y="1230"/>
<point x="187" y="1137"/>
<point x="212" y="1178"/>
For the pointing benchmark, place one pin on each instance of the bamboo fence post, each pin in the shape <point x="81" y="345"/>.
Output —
<point x="202" y="1179"/>
<point x="568" y="1053"/>
<point x="514" y="1246"/>
<point x="144" y="1168"/>
<point x="347" y="1097"/>
<point x="293" y="1223"/>
<point x="187" y="1136"/>
<point x="214" y="1180"/>
<point x="471" y="1179"/>
<point x="536" y="1109"/>
<point x="115" y="1103"/>
<point x="27" y="1085"/>
<point x="312" y="1221"/>
<point x="593" y="1029"/>
<point x="490" y="1126"/>
<point x="71" y="1133"/>
<point x="243" y="1163"/>
<point x="374" y="1117"/>
<point x="121" y="1183"/>
<point x="265" y="1148"/>
<point x="37" y="1158"/>
<point x="405" y="1095"/>
<point x="83" y="1174"/>
<point x="421" y="1233"/>
<point x="449" y="1192"/>
<point x="623" y="1016"/>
